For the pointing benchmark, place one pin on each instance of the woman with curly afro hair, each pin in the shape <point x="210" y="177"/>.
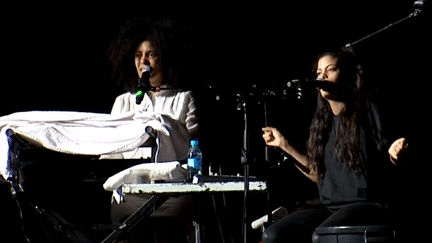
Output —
<point x="160" y="46"/>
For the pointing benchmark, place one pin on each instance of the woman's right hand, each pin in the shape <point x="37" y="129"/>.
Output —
<point x="274" y="138"/>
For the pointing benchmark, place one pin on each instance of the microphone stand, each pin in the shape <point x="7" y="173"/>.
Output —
<point x="246" y="157"/>
<point x="245" y="162"/>
<point x="267" y="160"/>
<point x="418" y="7"/>
<point x="244" y="100"/>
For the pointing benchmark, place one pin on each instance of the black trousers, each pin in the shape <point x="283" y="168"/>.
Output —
<point x="300" y="225"/>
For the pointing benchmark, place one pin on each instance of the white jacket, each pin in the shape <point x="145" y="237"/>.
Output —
<point x="180" y="105"/>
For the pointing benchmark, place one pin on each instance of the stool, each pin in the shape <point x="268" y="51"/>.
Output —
<point x="354" y="234"/>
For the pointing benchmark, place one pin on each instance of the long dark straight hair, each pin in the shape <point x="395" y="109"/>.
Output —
<point x="348" y="137"/>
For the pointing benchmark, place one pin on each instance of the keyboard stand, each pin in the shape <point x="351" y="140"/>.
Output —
<point x="162" y="191"/>
<point x="135" y="219"/>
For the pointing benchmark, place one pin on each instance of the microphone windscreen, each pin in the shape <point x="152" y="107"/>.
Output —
<point x="146" y="68"/>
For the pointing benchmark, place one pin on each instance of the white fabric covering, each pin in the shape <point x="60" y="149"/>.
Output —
<point x="94" y="133"/>
<point x="144" y="173"/>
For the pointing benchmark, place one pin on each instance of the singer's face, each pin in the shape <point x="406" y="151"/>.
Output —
<point x="329" y="71"/>
<point x="145" y="54"/>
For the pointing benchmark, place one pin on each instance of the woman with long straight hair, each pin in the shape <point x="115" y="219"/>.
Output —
<point x="349" y="155"/>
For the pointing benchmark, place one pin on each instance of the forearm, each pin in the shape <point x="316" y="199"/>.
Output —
<point x="301" y="162"/>
<point x="275" y="139"/>
<point x="311" y="174"/>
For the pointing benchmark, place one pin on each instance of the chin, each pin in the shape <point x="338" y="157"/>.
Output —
<point x="327" y="95"/>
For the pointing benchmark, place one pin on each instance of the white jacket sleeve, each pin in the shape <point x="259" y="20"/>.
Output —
<point x="121" y="104"/>
<point x="193" y="116"/>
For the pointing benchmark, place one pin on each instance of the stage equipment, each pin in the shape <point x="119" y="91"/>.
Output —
<point x="418" y="7"/>
<point x="145" y="86"/>
<point x="355" y="234"/>
<point x="247" y="99"/>
<point x="243" y="104"/>
<point x="307" y="85"/>
<point x="162" y="191"/>
<point x="79" y="208"/>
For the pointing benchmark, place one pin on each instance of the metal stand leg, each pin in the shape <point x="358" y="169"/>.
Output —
<point x="144" y="211"/>
<point x="62" y="225"/>
<point x="197" y="232"/>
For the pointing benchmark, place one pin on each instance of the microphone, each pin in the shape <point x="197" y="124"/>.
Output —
<point x="319" y="83"/>
<point x="143" y="84"/>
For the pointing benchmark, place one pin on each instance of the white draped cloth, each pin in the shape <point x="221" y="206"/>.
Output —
<point x="93" y="134"/>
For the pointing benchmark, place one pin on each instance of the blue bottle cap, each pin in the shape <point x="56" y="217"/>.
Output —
<point x="194" y="143"/>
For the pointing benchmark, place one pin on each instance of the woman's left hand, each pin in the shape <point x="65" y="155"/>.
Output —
<point x="398" y="151"/>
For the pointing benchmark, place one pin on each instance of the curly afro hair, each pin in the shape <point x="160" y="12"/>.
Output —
<point x="166" y="35"/>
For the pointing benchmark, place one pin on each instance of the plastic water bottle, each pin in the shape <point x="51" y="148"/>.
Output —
<point x="194" y="160"/>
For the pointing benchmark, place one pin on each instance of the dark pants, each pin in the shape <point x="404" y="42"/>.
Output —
<point x="300" y="225"/>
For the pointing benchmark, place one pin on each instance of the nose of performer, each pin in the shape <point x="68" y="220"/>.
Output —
<point x="322" y="76"/>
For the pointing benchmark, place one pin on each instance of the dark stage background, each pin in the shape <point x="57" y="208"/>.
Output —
<point x="54" y="58"/>
<point x="54" y="55"/>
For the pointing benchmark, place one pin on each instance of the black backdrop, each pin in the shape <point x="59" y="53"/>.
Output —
<point x="54" y="55"/>
<point x="54" y="58"/>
